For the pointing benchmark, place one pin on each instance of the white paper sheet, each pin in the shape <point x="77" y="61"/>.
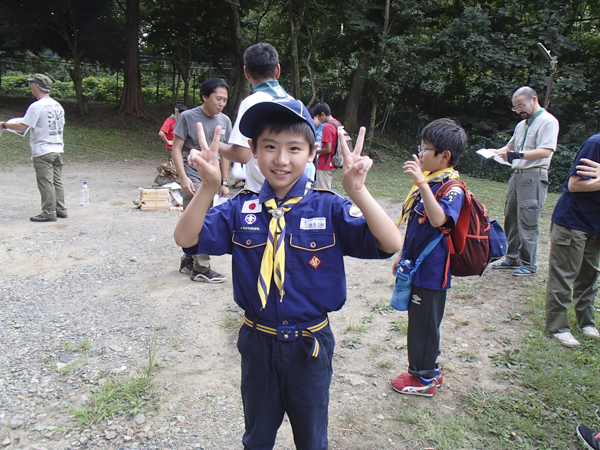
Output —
<point x="488" y="154"/>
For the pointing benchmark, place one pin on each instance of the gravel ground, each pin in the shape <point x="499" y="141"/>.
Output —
<point x="108" y="276"/>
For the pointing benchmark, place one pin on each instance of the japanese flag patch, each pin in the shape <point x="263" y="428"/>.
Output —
<point x="251" y="206"/>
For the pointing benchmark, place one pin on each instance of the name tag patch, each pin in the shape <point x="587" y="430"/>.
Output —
<point x="317" y="223"/>
<point x="251" y="206"/>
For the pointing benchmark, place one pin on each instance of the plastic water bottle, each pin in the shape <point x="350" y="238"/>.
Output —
<point x="85" y="195"/>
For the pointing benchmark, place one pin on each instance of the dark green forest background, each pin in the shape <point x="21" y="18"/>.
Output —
<point x="392" y="65"/>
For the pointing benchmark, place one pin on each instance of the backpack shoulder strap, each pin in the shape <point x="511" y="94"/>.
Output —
<point x="456" y="237"/>
<point x="336" y="123"/>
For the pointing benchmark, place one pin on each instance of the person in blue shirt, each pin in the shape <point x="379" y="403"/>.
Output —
<point x="287" y="244"/>
<point x="442" y="143"/>
<point x="575" y="249"/>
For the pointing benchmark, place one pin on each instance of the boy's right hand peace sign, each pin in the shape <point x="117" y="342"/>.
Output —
<point x="354" y="171"/>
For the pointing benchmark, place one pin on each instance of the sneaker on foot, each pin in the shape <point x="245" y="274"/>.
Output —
<point x="590" y="438"/>
<point x="439" y="378"/>
<point x="504" y="265"/>
<point x="566" y="339"/>
<point x="187" y="265"/>
<point x="407" y="384"/>
<point x="523" y="272"/>
<point x="208" y="277"/>
<point x="591" y="331"/>
<point x="40" y="218"/>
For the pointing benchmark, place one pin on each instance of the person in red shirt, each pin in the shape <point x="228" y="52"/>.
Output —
<point x="166" y="131"/>
<point x="325" y="167"/>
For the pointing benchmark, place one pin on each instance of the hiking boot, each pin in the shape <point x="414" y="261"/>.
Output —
<point x="504" y="265"/>
<point x="566" y="339"/>
<point x="591" y="439"/>
<point x="523" y="272"/>
<point x="187" y="265"/>
<point x="407" y="384"/>
<point x="62" y="215"/>
<point x="209" y="276"/>
<point x="591" y="331"/>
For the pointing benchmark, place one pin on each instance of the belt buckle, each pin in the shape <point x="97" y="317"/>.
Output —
<point x="287" y="332"/>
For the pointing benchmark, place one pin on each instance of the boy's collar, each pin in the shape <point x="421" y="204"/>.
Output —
<point x="271" y="87"/>
<point x="297" y="190"/>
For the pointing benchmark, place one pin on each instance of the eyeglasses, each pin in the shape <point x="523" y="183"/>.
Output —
<point x="520" y="106"/>
<point x="422" y="148"/>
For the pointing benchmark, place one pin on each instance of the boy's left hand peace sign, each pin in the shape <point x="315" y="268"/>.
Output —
<point x="207" y="159"/>
<point x="355" y="166"/>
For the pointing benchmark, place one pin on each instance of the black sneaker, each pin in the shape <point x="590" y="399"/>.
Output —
<point x="208" y="277"/>
<point x="590" y="438"/>
<point x="187" y="265"/>
<point x="40" y="218"/>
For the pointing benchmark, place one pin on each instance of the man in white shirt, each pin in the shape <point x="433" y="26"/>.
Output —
<point x="530" y="152"/>
<point x="261" y="67"/>
<point x="46" y="118"/>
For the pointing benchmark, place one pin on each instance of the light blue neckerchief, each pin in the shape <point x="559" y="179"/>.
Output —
<point x="271" y="87"/>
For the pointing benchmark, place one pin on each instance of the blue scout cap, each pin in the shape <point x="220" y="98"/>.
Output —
<point x="288" y="106"/>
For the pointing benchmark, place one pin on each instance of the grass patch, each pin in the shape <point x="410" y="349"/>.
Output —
<point x="352" y="326"/>
<point x="130" y="395"/>
<point x="554" y="390"/>
<point x="232" y="321"/>
<point x="382" y="307"/>
<point x="400" y="325"/>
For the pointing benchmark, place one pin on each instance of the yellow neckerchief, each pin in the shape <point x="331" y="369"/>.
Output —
<point x="434" y="177"/>
<point x="273" y="260"/>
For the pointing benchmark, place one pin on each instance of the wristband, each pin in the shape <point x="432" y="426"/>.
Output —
<point x="510" y="156"/>
<point x="418" y="182"/>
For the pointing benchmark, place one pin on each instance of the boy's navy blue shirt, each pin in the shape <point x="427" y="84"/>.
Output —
<point x="319" y="231"/>
<point x="419" y="233"/>
<point x="579" y="210"/>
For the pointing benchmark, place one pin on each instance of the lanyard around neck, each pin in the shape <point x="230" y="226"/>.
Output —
<point x="527" y="125"/>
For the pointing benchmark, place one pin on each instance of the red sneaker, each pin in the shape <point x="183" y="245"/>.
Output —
<point x="407" y="384"/>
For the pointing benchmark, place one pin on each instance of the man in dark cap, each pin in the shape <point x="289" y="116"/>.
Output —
<point x="46" y="118"/>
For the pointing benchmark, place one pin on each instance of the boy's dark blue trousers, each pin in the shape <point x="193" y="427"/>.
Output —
<point x="278" y="378"/>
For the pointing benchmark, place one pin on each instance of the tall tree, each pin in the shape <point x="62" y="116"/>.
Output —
<point x="132" y="101"/>
<point x="78" y="30"/>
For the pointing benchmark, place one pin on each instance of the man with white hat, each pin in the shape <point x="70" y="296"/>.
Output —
<point x="46" y="118"/>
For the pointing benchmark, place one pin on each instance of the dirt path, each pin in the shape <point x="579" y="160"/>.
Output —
<point x="110" y="275"/>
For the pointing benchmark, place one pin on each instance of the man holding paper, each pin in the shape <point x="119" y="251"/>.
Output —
<point x="46" y="118"/>
<point x="529" y="152"/>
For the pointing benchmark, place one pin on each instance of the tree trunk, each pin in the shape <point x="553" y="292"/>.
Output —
<point x="132" y="101"/>
<point x="241" y="87"/>
<point x="76" y="76"/>
<point x="310" y="75"/>
<point x="295" y="24"/>
<point x="381" y="54"/>
<point x="356" y="89"/>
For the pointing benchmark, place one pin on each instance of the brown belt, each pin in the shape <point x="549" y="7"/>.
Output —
<point x="532" y="169"/>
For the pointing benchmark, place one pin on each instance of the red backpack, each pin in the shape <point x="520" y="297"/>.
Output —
<point x="469" y="240"/>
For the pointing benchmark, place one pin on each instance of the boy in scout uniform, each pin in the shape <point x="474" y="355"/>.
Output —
<point x="284" y="241"/>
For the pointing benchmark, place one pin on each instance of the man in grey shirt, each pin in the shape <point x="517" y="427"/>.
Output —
<point x="529" y="151"/>
<point x="214" y="93"/>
